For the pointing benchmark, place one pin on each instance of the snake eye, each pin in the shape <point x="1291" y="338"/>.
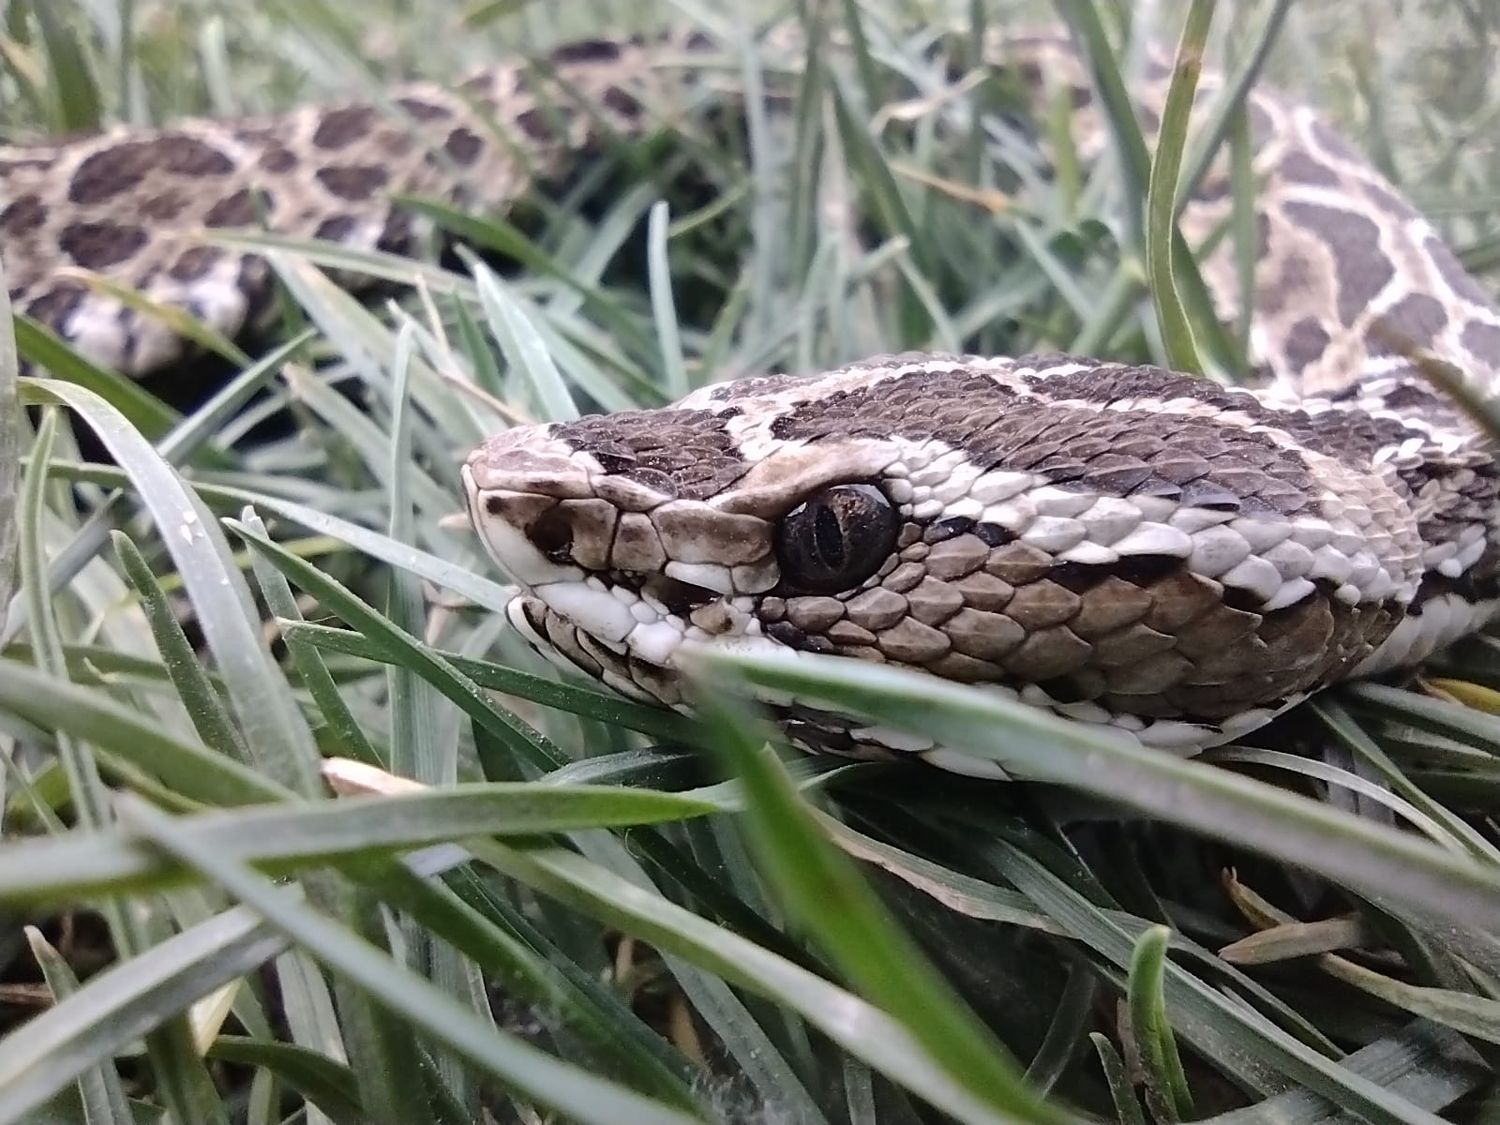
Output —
<point x="836" y="538"/>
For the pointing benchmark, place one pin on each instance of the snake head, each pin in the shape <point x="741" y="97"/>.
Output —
<point x="1117" y="545"/>
<point x="636" y="535"/>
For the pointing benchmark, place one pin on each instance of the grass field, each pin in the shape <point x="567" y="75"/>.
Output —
<point x="597" y="911"/>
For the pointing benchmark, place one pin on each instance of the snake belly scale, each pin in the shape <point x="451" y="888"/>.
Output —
<point x="1157" y="555"/>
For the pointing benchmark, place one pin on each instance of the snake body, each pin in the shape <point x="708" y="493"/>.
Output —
<point x="132" y="205"/>
<point x="1161" y="556"/>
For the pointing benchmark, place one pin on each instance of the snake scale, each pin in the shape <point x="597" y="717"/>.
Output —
<point x="1160" y="556"/>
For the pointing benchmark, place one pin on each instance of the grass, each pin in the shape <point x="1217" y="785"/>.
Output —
<point x="588" y="909"/>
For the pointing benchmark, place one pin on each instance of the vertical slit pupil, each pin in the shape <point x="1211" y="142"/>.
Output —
<point x="828" y="537"/>
<point x="835" y="539"/>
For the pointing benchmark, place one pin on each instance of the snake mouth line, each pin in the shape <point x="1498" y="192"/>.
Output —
<point x="681" y="598"/>
<point x="664" y="682"/>
<point x="644" y="664"/>
<point x="567" y="644"/>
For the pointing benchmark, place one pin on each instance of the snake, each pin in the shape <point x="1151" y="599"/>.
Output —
<point x="1157" y="555"/>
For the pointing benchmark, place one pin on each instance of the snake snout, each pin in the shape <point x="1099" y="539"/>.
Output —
<point x="619" y="572"/>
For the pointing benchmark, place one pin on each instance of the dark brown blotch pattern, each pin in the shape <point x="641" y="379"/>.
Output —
<point x="621" y="101"/>
<point x="243" y="208"/>
<point x="1116" y="452"/>
<point x="1360" y="266"/>
<point x="118" y="169"/>
<point x="1412" y="324"/>
<point x="1483" y="342"/>
<point x="54" y="307"/>
<point x="463" y="146"/>
<point x="165" y="206"/>
<point x="195" y="263"/>
<point x="354" y="183"/>
<point x="680" y="453"/>
<point x="98" y="246"/>
<point x="1300" y="167"/>
<point x="537" y="123"/>
<point x="586" y="51"/>
<point x="419" y="110"/>
<point x="398" y="234"/>
<point x="340" y="128"/>
<point x="277" y="159"/>
<point x="335" y="228"/>
<point x="1305" y="343"/>
<point x="22" y="215"/>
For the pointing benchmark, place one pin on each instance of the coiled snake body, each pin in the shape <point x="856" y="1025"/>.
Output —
<point x="1159" y="555"/>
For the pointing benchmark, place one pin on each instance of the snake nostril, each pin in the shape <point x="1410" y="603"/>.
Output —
<point x="551" y="533"/>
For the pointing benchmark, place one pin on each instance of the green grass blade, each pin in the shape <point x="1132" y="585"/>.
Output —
<point x="523" y="347"/>
<point x="825" y="893"/>
<point x="39" y="346"/>
<point x="417" y="748"/>
<point x="461" y="580"/>
<point x="1427" y="1065"/>
<point x="1074" y="1013"/>
<point x="467" y="914"/>
<point x="73" y="91"/>
<point x="1386" y="866"/>
<point x="1162" y="188"/>
<point x="496" y="234"/>
<point x="286" y="838"/>
<point x="438" y="1017"/>
<point x="522" y="740"/>
<point x="578" y="700"/>
<point x="1127" y="1107"/>
<point x="1124" y="131"/>
<point x="664" y="311"/>
<point x="194" y="687"/>
<point x="858" y="1027"/>
<point x="1354" y="737"/>
<point x="189" y="440"/>
<point x="1231" y="102"/>
<point x="312" y="670"/>
<point x="1438" y="716"/>
<point x="10" y="451"/>
<point x="265" y="713"/>
<point x="99" y="1087"/>
<point x="89" y="797"/>
<point x="124" y="1002"/>
<point x="1245" y="1032"/>
<point x="1152" y="1030"/>
<point x="138" y="740"/>
<point x="325" y="1083"/>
